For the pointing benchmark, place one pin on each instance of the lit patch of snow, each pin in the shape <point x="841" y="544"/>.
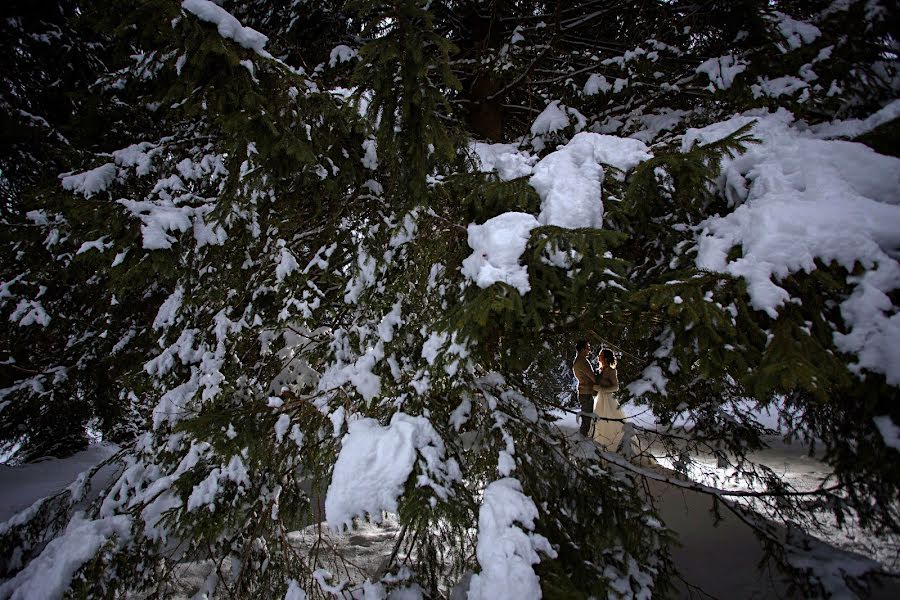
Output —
<point x="651" y="380"/>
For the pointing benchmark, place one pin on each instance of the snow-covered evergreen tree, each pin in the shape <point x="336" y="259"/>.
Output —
<point x="262" y="251"/>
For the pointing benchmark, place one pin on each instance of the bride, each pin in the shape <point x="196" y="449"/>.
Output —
<point x="609" y="428"/>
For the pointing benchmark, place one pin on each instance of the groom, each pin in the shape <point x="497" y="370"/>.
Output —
<point x="586" y="377"/>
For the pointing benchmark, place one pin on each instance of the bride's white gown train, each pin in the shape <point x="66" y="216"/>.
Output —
<point x="608" y="433"/>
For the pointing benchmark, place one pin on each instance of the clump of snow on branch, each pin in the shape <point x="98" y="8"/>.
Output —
<point x="596" y="84"/>
<point x="375" y="463"/>
<point x="796" y="33"/>
<point x="497" y="245"/>
<point x="851" y="128"/>
<point x="569" y="180"/>
<point x="341" y="54"/>
<point x="168" y="311"/>
<point x="889" y="431"/>
<point x="227" y="25"/>
<point x="90" y="182"/>
<point x="507" y="547"/>
<point x="507" y="160"/>
<point x="800" y="199"/>
<point x="553" y="119"/>
<point x="50" y="574"/>
<point x="722" y="70"/>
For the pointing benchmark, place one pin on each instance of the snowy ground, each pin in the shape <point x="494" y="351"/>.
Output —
<point x="707" y="552"/>
<point x="21" y="486"/>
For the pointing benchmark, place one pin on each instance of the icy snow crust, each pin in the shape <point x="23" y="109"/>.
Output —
<point x="799" y="199"/>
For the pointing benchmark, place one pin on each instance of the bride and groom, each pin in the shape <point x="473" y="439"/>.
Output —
<point x="595" y="395"/>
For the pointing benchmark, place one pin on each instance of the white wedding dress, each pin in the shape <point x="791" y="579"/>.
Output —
<point x="610" y="428"/>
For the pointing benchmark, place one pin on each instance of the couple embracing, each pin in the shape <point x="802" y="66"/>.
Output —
<point x="595" y="395"/>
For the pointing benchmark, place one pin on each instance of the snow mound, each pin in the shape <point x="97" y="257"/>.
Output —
<point x="507" y="548"/>
<point x="800" y="199"/>
<point x="569" y="180"/>
<point x="375" y="463"/>
<point x="496" y="246"/>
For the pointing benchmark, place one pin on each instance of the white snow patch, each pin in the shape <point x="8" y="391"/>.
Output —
<point x="569" y="180"/>
<point x="889" y="431"/>
<point x="800" y="199"/>
<point x="375" y="463"/>
<point x="852" y="128"/>
<point x="496" y="246"/>
<point x="596" y="83"/>
<point x="722" y="70"/>
<point x="139" y="156"/>
<point x="30" y="312"/>
<point x="341" y="54"/>
<point x="90" y="182"/>
<point x="168" y="311"/>
<point x="553" y="118"/>
<point x="50" y="574"/>
<point x="507" y="547"/>
<point x="287" y="264"/>
<point x="370" y="154"/>
<point x="228" y="26"/>
<point x="796" y="33"/>
<point x="507" y="160"/>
